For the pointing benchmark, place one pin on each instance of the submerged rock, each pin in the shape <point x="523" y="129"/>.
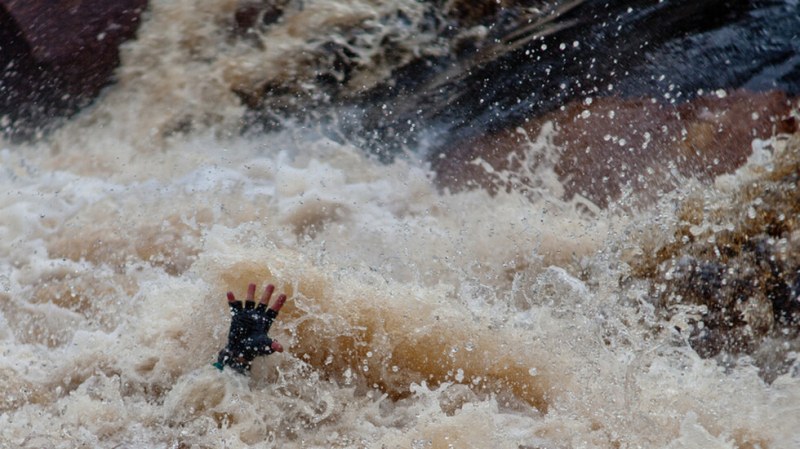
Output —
<point x="733" y="270"/>
<point x="251" y="15"/>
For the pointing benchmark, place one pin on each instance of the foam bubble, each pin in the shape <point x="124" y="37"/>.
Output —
<point x="417" y="318"/>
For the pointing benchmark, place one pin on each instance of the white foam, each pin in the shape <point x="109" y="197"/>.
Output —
<point x="417" y="318"/>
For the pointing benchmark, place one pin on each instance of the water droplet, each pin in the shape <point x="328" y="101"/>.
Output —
<point x="348" y="376"/>
<point x="421" y="444"/>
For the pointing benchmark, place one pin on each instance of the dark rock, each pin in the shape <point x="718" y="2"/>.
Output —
<point x="737" y="265"/>
<point x="58" y="55"/>
<point x="668" y="50"/>
<point x="255" y="14"/>
<point x="506" y="62"/>
<point x="246" y="15"/>
<point x="612" y="144"/>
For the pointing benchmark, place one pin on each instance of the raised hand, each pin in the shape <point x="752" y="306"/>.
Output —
<point x="250" y="323"/>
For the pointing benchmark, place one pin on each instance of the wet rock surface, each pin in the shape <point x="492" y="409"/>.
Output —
<point x="729" y="279"/>
<point x="484" y="67"/>
<point x="609" y="145"/>
<point x="253" y="15"/>
<point x="532" y="58"/>
<point x="57" y="56"/>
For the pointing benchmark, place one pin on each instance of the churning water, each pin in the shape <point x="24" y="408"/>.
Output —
<point x="417" y="318"/>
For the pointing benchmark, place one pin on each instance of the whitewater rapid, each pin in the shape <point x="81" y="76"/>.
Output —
<point x="417" y="317"/>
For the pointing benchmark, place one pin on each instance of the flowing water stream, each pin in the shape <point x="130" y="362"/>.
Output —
<point x="418" y="317"/>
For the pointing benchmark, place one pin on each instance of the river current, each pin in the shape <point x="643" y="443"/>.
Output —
<point x="418" y="317"/>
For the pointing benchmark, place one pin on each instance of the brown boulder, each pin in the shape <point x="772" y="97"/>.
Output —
<point x="607" y="144"/>
<point x="58" y="55"/>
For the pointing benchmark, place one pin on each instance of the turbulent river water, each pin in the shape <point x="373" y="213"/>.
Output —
<point x="418" y="317"/>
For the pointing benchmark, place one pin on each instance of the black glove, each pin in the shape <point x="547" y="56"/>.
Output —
<point x="250" y="324"/>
